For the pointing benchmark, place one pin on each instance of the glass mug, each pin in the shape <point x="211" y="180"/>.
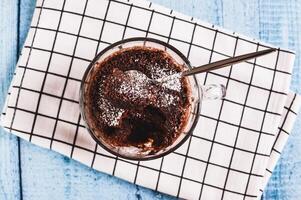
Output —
<point x="198" y="94"/>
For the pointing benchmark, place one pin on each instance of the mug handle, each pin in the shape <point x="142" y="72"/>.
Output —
<point x="213" y="91"/>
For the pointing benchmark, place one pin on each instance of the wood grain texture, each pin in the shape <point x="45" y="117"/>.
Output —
<point x="48" y="175"/>
<point x="9" y="162"/>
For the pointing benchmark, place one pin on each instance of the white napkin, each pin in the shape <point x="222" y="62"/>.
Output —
<point x="227" y="156"/>
<point x="287" y="121"/>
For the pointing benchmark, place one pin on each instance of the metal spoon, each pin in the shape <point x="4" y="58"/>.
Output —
<point x="204" y="68"/>
<point x="217" y="64"/>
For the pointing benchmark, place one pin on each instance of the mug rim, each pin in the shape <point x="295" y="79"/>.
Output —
<point x="82" y="92"/>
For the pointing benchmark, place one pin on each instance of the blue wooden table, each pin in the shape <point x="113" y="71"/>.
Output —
<point x="30" y="172"/>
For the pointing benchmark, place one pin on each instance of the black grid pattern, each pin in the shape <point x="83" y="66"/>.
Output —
<point x="18" y="95"/>
<point x="219" y="116"/>
<point x="257" y="145"/>
<point x="282" y="135"/>
<point x="61" y="128"/>
<point x="240" y="122"/>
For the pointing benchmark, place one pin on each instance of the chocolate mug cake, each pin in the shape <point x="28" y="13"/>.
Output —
<point x="130" y="107"/>
<point x="126" y="108"/>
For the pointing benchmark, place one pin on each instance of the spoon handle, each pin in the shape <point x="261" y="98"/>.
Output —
<point x="226" y="62"/>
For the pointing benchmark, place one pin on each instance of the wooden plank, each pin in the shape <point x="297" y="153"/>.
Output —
<point x="9" y="167"/>
<point x="280" y="25"/>
<point x="209" y="11"/>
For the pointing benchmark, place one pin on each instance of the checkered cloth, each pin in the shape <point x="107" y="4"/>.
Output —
<point x="237" y="141"/>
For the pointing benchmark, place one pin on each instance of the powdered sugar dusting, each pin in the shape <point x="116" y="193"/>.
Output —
<point x="110" y="114"/>
<point x="136" y="85"/>
<point x="168" y="77"/>
<point x="168" y="100"/>
<point x="173" y="82"/>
